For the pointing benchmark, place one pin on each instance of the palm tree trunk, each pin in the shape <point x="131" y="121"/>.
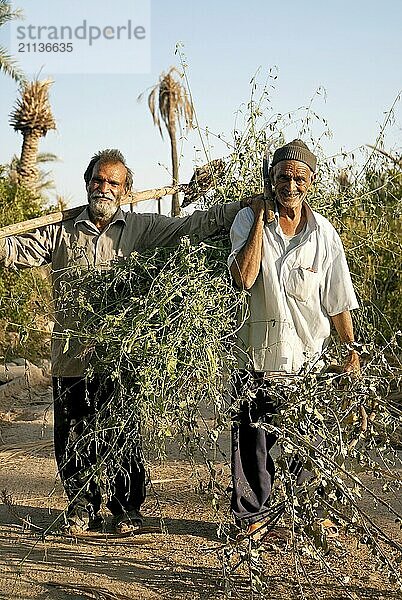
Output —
<point x="27" y="168"/>
<point x="175" y="166"/>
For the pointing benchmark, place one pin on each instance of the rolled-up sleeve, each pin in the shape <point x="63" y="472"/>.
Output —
<point x="338" y="294"/>
<point x="240" y="231"/>
<point x="167" y="231"/>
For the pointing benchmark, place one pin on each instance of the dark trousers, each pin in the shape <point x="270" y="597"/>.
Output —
<point x="76" y="402"/>
<point x="253" y="468"/>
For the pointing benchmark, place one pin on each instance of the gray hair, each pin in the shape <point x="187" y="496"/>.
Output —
<point x="109" y="156"/>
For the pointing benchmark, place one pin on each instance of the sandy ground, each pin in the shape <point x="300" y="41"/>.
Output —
<point x="183" y="562"/>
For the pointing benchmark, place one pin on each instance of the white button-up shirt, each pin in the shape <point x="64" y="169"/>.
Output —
<point x="299" y="287"/>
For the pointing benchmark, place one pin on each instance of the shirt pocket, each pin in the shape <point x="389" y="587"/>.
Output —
<point x="302" y="283"/>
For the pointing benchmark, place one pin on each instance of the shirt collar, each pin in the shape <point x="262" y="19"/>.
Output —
<point x="83" y="217"/>
<point x="311" y="220"/>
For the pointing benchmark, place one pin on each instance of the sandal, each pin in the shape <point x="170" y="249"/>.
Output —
<point x="328" y="528"/>
<point x="127" y="522"/>
<point x="79" y="520"/>
<point x="260" y="532"/>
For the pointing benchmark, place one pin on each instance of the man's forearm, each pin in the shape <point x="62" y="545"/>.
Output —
<point x="344" y="328"/>
<point x="247" y="264"/>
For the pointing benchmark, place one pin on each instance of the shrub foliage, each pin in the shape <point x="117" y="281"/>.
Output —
<point x="25" y="297"/>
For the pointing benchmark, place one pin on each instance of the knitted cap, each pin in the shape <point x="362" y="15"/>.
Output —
<point x="296" y="150"/>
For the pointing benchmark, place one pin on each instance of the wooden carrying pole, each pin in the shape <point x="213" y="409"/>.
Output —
<point x="72" y="213"/>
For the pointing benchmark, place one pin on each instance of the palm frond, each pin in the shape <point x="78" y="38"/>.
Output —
<point x="32" y="111"/>
<point x="46" y="157"/>
<point x="10" y="66"/>
<point x="154" y="109"/>
<point x="169" y="102"/>
<point x="7" y="13"/>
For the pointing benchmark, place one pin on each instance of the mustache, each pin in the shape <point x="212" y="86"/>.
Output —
<point x="101" y="196"/>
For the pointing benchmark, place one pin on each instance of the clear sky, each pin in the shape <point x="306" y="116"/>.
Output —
<point x="351" y="48"/>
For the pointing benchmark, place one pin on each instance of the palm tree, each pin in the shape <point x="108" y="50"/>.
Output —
<point x="44" y="181"/>
<point x="169" y="102"/>
<point x="32" y="116"/>
<point x="7" y="63"/>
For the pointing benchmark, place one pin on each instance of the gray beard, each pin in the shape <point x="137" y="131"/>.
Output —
<point x="102" y="209"/>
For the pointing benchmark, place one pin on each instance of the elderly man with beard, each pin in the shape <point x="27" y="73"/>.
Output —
<point x="292" y="261"/>
<point x="99" y="235"/>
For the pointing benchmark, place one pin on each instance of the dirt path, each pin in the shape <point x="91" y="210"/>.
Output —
<point x="181" y="563"/>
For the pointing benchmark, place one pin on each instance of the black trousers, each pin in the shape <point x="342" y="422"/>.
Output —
<point x="76" y="402"/>
<point x="253" y="468"/>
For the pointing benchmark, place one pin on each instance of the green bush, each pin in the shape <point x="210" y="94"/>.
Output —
<point x="25" y="296"/>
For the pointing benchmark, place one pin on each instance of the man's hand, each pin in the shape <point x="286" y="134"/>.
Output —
<point x="257" y="205"/>
<point x="250" y="200"/>
<point x="352" y="363"/>
<point x="344" y="327"/>
<point x="260" y="205"/>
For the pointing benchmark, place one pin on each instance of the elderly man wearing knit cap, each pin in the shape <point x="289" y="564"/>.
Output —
<point x="292" y="261"/>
